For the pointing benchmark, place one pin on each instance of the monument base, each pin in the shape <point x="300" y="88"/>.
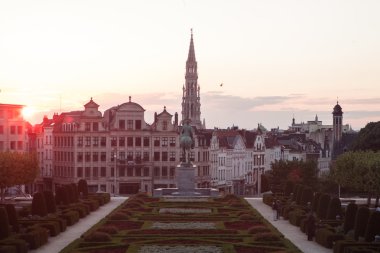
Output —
<point x="185" y="177"/>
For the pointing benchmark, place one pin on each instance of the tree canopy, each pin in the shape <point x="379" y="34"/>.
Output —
<point x="359" y="170"/>
<point x="368" y="138"/>
<point x="16" y="169"/>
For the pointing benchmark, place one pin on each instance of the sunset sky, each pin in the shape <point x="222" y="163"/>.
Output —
<point x="276" y="58"/>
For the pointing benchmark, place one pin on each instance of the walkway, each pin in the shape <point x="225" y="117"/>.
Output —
<point x="57" y="243"/>
<point x="291" y="232"/>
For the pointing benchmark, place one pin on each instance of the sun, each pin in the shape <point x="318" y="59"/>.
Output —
<point x="27" y="112"/>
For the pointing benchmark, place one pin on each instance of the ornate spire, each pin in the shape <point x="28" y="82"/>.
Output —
<point x="191" y="55"/>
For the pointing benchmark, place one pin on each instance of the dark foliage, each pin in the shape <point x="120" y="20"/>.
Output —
<point x="349" y="218"/>
<point x="368" y="138"/>
<point x="4" y="223"/>
<point x="39" y="205"/>
<point x="322" y="206"/>
<point x="334" y="209"/>
<point x="361" y="221"/>
<point x="61" y="197"/>
<point x="83" y="188"/>
<point x="373" y="227"/>
<point x="50" y="201"/>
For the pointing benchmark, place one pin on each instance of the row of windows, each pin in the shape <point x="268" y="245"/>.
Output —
<point x="10" y="114"/>
<point x="12" y="129"/>
<point x="13" y="145"/>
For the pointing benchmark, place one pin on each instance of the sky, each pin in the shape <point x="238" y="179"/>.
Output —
<point x="276" y="58"/>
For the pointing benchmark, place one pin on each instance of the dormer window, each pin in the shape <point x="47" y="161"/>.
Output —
<point x="87" y="127"/>
<point x="165" y="125"/>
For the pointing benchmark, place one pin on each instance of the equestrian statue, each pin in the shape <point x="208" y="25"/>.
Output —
<point x="186" y="141"/>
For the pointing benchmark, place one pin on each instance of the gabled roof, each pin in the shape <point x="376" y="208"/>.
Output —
<point x="91" y="104"/>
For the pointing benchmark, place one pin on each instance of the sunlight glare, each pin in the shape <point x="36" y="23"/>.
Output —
<point x="28" y="112"/>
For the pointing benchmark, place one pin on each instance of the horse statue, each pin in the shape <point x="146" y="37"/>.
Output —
<point x="186" y="141"/>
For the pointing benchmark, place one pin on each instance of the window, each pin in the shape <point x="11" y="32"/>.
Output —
<point x="95" y="156"/>
<point x="80" y="142"/>
<point x="172" y="171"/>
<point x="156" y="156"/>
<point x="1" y="129"/>
<point x="122" y="155"/>
<point x="87" y="157"/>
<point x="130" y="172"/>
<point x="88" y="141"/>
<point x="121" y="171"/>
<point x="13" y="129"/>
<point x="156" y="171"/>
<point x="130" y="141"/>
<point x="95" y="141"/>
<point x="164" y="141"/>
<point x="121" y="141"/>
<point x="138" y="156"/>
<point x="146" y="172"/>
<point x="138" y="141"/>
<point x="172" y="141"/>
<point x="20" y="145"/>
<point x="95" y="171"/>
<point x="87" y="172"/>
<point x="164" y="156"/>
<point x="164" y="171"/>
<point x="95" y="126"/>
<point x="122" y="124"/>
<point x="103" y="141"/>
<point x="130" y="156"/>
<point x="87" y="126"/>
<point x="19" y="129"/>
<point x="113" y="156"/>
<point x="13" y="145"/>
<point x="138" y="124"/>
<point x="146" y="156"/>
<point x="164" y="125"/>
<point x="138" y="172"/>
<point x="172" y="156"/>
<point x="113" y="141"/>
<point x="80" y="156"/>
<point x="146" y="142"/>
<point x="192" y="156"/>
<point x="103" y="156"/>
<point x="130" y="124"/>
<point x="79" y="172"/>
<point x="156" y="141"/>
<point x="103" y="171"/>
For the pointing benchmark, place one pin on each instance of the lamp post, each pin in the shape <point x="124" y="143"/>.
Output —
<point x="115" y="171"/>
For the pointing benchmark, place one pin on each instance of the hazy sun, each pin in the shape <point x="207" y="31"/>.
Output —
<point x="27" y="112"/>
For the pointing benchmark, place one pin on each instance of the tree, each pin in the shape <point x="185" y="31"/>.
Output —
<point x="368" y="138"/>
<point x="359" y="170"/>
<point x="17" y="169"/>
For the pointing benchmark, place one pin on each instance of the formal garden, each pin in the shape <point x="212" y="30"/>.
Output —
<point x="29" y="227"/>
<point x="178" y="224"/>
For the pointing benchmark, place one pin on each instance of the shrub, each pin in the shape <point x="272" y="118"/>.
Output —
<point x="299" y="193"/>
<point x="4" y="223"/>
<point x="118" y="216"/>
<point x="108" y="229"/>
<point x="334" y="209"/>
<point x="373" y="227"/>
<point x="349" y="218"/>
<point x="315" y="202"/>
<point x="61" y="197"/>
<point x="258" y="229"/>
<point x="289" y="186"/>
<point x="50" y="201"/>
<point x="263" y="237"/>
<point x="246" y="217"/>
<point x="83" y="188"/>
<point x="98" y="237"/>
<point x="70" y="193"/>
<point x="361" y="220"/>
<point x="20" y="246"/>
<point x="74" y="187"/>
<point x="326" y="237"/>
<point x="39" y="205"/>
<point x="12" y="216"/>
<point x="306" y="195"/>
<point x="322" y="206"/>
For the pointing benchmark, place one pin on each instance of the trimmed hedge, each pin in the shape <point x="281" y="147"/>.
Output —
<point x="322" y="206"/>
<point x="306" y="195"/>
<point x="50" y="201"/>
<point x="39" y="205"/>
<point x="373" y="227"/>
<point x="326" y="237"/>
<point x="361" y="221"/>
<point x="289" y="186"/>
<point x="61" y="197"/>
<point x="315" y="202"/>
<point x="334" y="209"/>
<point x="349" y="218"/>
<point x="82" y="188"/>
<point x="4" y="224"/>
<point x="12" y="216"/>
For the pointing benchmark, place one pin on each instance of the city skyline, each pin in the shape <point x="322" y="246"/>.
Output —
<point x="275" y="59"/>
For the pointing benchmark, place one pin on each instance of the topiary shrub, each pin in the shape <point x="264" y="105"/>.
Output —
<point x="83" y="188"/>
<point x="70" y="193"/>
<point x="315" y="202"/>
<point x="349" y="218"/>
<point x="12" y="217"/>
<point x="361" y="221"/>
<point x="61" y="197"/>
<point x="295" y="190"/>
<point x="4" y="223"/>
<point x="306" y="195"/>
<point x="246" y="217"/>
<point x="118" y="216"/>
<point x="322" y="206"/>
<point x="98" y="237"/>
<point x="373" y="227"/>
<point x="74" y="188"/>
<point x="299" y="194"/>
<point x="39" y="205"/>
<point x="334" y="209"/>
<point x="50" y="201"/>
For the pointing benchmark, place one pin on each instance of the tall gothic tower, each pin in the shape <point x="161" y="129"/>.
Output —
<point x="191" y="102"/>
<point x="337" y="123"/>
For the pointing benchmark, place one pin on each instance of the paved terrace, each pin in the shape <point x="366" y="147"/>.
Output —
<point x="293" y="233"/>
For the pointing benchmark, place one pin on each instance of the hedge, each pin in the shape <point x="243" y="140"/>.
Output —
<point x="334" y="209"/>
<point x="349" y="218"/>
<point x="361" y="221"/>
<point x="39" y="205"/>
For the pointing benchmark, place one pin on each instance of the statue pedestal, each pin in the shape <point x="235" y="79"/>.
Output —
<point x="185" y="178"/>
